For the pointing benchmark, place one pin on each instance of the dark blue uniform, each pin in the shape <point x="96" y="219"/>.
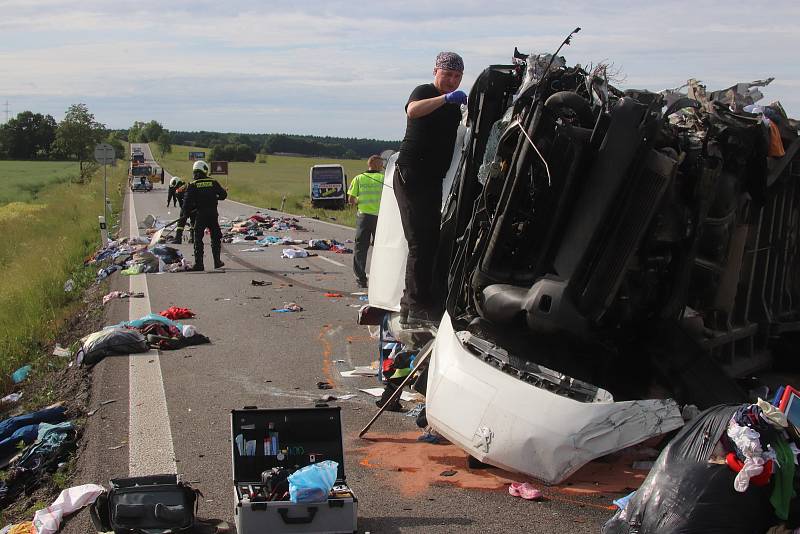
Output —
<point x="201" y="197"/>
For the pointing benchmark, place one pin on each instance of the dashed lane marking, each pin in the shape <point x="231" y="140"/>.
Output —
<point x="331" y="261"/>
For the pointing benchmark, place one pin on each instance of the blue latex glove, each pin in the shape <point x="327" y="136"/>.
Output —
<point x="456" y="97"/>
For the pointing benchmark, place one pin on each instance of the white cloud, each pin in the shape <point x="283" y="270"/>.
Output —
<point x="343" y="68"/>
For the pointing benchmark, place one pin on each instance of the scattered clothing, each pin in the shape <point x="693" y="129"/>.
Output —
<point x="174" y="313"/>
<point x="20" y="374"/>
<point x="48" y="520"/>
<point x="783" y="489"/>
<point x="288" y="308"/>
<point x="526" y="491"/>
<point x="293" y="253"/>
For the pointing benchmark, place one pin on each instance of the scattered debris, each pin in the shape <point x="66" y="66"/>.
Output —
<point x="69" y="285"/>
<point x="302" y="268"/>
<point x="447" y="473"/>
<point x="11" y="398"/>
<point x="324" y="385"/>
<point x="260" y="283"/>
<point x="378" y="392"/>
<point x="91" y="413"/>
<point x="174" y="313"/>
<point x="334" y="295"/>
<point x="526" y="491"/>
<point x="61" y="352"/>
<point x="20" y="374"/>
<point x="431" y="436"/>
<point x="293" y="253"/>
<point x="360" y="371"/>
<point x="416" y="410"/>
<point x="288" y="308"/>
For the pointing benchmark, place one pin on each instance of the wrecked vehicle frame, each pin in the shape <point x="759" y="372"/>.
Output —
<point x="599" y="246"/>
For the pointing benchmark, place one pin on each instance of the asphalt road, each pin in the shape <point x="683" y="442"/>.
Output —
<point x="275" y="360"/>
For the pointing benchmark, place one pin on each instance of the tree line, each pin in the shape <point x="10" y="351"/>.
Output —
<point x="32" y="135"/>
<point x="246" y="147"/>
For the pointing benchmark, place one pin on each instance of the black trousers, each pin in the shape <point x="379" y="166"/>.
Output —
<point x="201" y="222"/>
<point x="365" y="233"/>
<point x="419" y="198"/>
<point x="172" y="196"/>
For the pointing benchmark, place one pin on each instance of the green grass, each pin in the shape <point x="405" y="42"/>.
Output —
<point x="45" y="244"/>
<point x="265" y="184"/>
<point x="22" y="181"/>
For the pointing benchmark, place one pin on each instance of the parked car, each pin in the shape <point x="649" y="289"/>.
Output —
<point x="141" y="183"/>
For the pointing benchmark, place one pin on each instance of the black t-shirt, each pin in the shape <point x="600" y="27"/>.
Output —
<point x="429" y="140"/>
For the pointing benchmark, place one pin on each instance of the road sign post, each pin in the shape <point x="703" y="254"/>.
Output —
<point x="221" y="167"/>
<point x="105" y="155"/>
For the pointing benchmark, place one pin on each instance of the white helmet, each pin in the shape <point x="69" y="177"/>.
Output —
<point x="201" y="166"/>
<point x="174" y="181"/>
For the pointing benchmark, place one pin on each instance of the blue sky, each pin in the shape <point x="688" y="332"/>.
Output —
<point x="346" y="68"/>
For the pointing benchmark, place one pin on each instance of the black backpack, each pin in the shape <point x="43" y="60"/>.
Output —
<point x="156" y="504"/>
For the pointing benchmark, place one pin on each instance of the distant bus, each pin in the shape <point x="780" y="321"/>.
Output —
<point x="328" y="185"/>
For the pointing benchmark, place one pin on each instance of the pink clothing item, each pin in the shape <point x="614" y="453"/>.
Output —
<point x="526" y="491"/>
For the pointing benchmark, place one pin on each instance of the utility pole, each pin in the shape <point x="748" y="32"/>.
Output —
<point x="6" y="110"/>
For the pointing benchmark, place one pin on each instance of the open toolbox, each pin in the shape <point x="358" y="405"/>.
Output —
<point x="269" y="443"/>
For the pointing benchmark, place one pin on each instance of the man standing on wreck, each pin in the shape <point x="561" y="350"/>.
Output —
<point x="433" y="112"/>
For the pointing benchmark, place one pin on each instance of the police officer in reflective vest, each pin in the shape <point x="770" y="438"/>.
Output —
<point x="202" y="195"/>
<point x="365" y="191"/>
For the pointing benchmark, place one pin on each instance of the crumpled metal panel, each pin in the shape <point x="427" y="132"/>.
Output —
<point x="514" y="425"/>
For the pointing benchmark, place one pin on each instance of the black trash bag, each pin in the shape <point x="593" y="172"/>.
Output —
<point x="109" y="341"/>
<point x="685" y="494"/>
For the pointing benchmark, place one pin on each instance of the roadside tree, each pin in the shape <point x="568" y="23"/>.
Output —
<point x="114" y="140"/>
<point x="77" y="134"/>
<point x="164" y="142"/>
<point x="145" y="132"/>
<point x="28" y="135"/>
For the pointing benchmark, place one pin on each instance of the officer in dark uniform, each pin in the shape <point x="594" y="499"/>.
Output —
<point x="185" y="218"/>
<point x="201" y="197"/>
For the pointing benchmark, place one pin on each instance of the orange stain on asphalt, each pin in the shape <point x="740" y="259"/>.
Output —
<point x="415" y="466"/>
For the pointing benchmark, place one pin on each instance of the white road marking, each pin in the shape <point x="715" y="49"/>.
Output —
<point x="331" y="261"/>
<point x="149" y="433"/>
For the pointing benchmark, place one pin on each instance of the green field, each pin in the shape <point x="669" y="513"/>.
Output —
<point x="46" y="241"/>
<point x="23" y="180"/>
<point x="265" y="184"/>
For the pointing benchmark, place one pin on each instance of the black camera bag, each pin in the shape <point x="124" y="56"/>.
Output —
<point x="156" y="504"/>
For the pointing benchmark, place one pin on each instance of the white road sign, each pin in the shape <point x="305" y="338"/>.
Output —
<point x="104" y="154"/>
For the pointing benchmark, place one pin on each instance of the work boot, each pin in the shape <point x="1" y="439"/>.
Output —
<point x="198" y="265"/>
<point x="395" y="405"/>
<point x="216" y="251"/>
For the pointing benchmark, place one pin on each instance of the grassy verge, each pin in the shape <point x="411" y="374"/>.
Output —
<point x="45" y="244"/>
<point x="21" y="181"/>
<point x="265" y="184"/>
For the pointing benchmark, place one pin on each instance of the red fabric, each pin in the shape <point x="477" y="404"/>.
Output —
<point x="173" y="313"/>
<point x="761" y="479"/>
<point x="333" y="295"/>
